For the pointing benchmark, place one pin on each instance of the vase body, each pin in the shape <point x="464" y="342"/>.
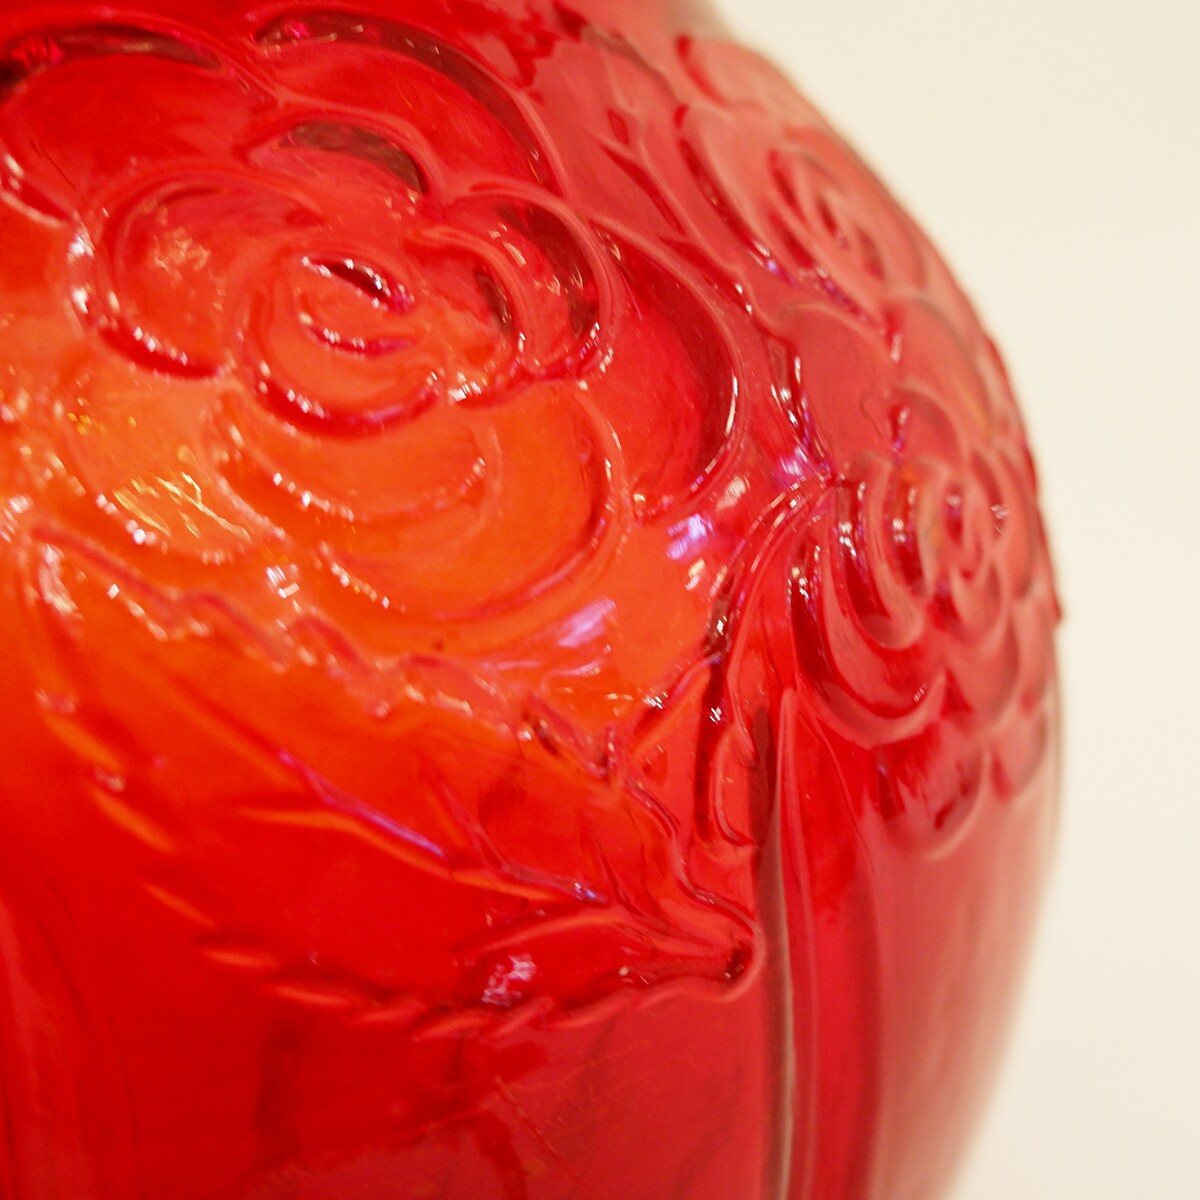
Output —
<point x="527" y="634"/>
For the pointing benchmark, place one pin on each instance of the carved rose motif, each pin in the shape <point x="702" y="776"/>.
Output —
<point x="315" y="281"/>
<point x="919" y="612"/>
<point x="925" y="551"/>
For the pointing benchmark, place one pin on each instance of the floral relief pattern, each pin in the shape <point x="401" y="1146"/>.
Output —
<point x="392" y="374"/>
<point x="596" y="458"/>
<point x="290" y="292"/>
<point x="927" y="550"/>
<point x="319" y="321"/>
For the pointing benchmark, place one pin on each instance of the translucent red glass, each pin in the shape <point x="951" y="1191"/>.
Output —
<point x="526" y="632"/>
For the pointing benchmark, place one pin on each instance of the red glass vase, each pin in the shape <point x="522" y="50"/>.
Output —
<point x="526" y="630"/>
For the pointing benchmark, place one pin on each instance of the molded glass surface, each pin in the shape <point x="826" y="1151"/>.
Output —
<point x="527" y="634"/>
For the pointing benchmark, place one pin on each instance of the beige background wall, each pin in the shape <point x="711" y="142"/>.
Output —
<point x="1053" y="151"/>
